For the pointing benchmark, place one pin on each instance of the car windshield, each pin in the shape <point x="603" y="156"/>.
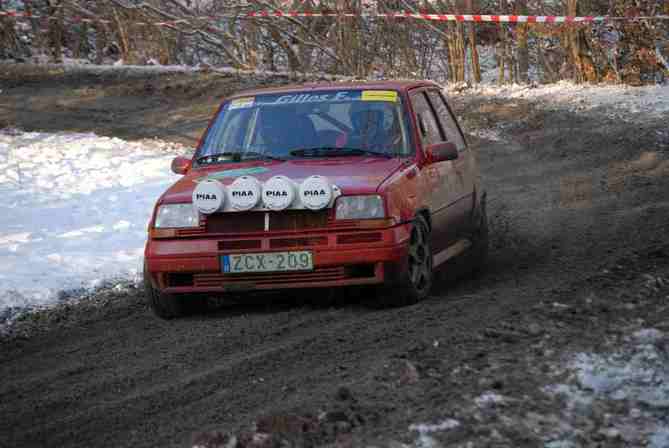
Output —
<point x="307" y="125"/>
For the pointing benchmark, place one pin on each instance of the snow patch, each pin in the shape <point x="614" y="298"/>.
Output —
<point x="637" y="374"/>
<point x="76" y="209"/>
<point x="489" y="399"/>
<point x="620" y="101"/>
<point x="424" y="431"/>
<point x="447" y="424"/>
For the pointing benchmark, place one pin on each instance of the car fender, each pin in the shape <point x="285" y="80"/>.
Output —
<point x="403" y="193"/>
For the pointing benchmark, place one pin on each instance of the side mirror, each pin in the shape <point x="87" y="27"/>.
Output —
<point x="181" y="165"/>
<point x="441" y="152"/>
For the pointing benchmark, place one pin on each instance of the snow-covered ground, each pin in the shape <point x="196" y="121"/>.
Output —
<point x="623" y="101"/>
<point x="619" y="102"/>
<point x="75" y="209"/>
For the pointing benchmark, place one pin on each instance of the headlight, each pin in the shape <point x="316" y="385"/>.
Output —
<point x="177" y="215"/>
<point x="360" y="207"/>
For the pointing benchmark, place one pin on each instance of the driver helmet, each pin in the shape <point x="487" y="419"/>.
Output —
<point x="371" y="122"/>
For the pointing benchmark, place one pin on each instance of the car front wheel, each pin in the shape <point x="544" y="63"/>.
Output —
<point x="170" y="306"/>
<point x="415" y="283"/>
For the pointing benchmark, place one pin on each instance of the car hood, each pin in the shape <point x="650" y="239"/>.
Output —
<point x="353" y="175"/>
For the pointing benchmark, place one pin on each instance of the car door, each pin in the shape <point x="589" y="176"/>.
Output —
<point x="437" y="178"/>
<point x="462" y="183"/>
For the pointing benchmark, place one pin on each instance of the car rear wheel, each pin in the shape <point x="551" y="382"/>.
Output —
<point x="415" y="283"/>
<point x="481" y="243"/>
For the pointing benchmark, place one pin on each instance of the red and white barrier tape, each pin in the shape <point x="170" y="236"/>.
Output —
<point x="399" y="15"/>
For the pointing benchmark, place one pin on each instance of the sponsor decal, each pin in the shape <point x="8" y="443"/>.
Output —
<point x="320" y="192"/>
<point x="379" y="95"/>
<point x="313" y="98"/>
<point x="316" y="192"/>
<point x="206" y="197"/>
<point x="244" y="193"/>
<point x="241" y="103"/>
<point x="209" y="196"/>
<point x="278" y="193"/>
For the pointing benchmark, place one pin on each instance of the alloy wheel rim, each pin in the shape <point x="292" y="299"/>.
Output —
<point x="420" y="259"/>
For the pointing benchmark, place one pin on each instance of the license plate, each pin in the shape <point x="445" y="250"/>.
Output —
<point x="268" y="262"/>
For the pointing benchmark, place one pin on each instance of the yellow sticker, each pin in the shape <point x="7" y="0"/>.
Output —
<point x="379" y="95"/>
<point x="241" y="103"/>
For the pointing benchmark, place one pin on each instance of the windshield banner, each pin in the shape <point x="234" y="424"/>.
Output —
<point x="316" y="97"/>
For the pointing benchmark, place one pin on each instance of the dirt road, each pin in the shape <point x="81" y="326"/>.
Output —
<point x="578" y="205"/>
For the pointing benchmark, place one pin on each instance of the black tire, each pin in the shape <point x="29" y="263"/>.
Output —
<point x="478" y="252"/>
<point x="415" y="283"/>
<point x="170" y="306"/>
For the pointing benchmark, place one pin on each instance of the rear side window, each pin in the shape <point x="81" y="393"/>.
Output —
<point x="447" y="121"/>
<point x="427" y="123"/>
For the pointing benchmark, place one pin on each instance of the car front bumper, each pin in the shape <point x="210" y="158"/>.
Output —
<point x="193" y="265"/>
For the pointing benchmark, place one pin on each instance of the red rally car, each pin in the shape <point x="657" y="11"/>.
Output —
<point x="318" y="186"/>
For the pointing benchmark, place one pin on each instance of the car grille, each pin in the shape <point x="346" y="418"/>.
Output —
<point x="249" y="222"/>
<point x="253" y="280"/>
<point x="233" y="223"/>
<point x="270" y="278"/>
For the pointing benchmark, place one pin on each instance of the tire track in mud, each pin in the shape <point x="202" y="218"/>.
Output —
<point x="135" y="381"/>
<point x="204" y="388"/>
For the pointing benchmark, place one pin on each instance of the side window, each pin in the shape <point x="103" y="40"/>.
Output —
<point x="447" y="121"/>
<point x="427" y="123"/>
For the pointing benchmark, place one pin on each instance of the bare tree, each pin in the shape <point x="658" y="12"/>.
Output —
<point x="56" y="29"/>
<point x="472" y="8"/>
<point x="522" y="47"/>
<point x="218" y="32"/>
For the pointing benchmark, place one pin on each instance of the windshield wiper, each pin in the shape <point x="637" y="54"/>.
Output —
<point x="235" y="157"/>
<point x="260" y="155"/>
<point x="218" y="157"/>
<point x="331" y="151"/>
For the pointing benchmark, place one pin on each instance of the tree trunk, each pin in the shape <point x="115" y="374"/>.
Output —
<point x="8" y="39"/>
<point x="123" y="41"/>
<point x="573" y="43"/>
<point x="501" y="59"/>
<point x="251" y="31"/>
<point x="523" y="53"/>
<point x="100" y="42"/>
<point x="56" y="30"/>
<point x="550" y="75"/>
<point x="462" y="51"/>
<point x="38" y="35"/>
<point x="452" y="57"/>
<point x="584" y="67"/>
<point x="293" y="58"/>
<point x="472" y="8"/>
<point x="501" y="48"/>
<point x="80" y="45"/>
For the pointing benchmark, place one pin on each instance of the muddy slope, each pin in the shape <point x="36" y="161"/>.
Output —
<point x="570" y="195"/>
<point x="124" y="104"/>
